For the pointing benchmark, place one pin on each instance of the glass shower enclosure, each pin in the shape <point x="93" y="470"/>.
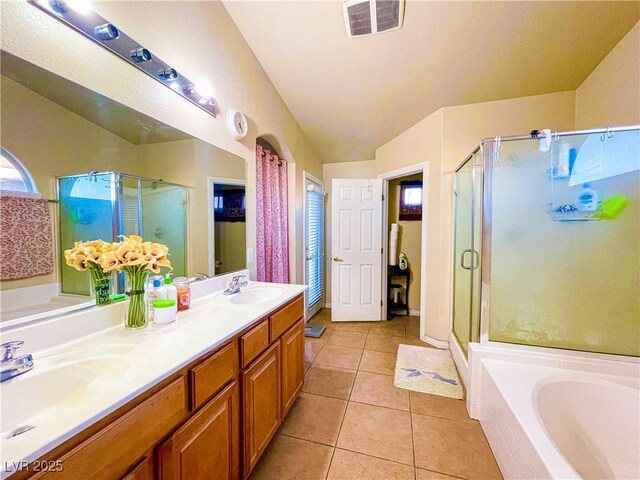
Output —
<point x="104" y="205"/>
<point x="557" y="225"/>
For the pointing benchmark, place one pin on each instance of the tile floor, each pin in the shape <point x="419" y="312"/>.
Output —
<point x="351" y="423"/>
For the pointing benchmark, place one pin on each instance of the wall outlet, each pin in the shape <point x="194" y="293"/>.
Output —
<point x="249" y="255"/>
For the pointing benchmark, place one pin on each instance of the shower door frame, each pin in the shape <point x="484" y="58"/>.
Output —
<point x="475" y="169"/>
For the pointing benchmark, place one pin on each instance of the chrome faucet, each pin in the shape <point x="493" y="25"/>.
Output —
<point x="234" y="286"/>
<point x="200" y="276"/>
<point x="12" y="366"/>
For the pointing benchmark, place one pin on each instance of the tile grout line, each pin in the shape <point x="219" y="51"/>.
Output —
<point x="339" y="430"/>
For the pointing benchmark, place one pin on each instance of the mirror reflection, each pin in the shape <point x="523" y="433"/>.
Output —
<point x="78" y="166"/>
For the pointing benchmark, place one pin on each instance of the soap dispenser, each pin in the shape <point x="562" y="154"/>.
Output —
<point x="172" y="291"/>
<point x="587" y="199"/>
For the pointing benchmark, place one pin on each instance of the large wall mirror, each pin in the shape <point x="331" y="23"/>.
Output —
<point x="99" y="169"/>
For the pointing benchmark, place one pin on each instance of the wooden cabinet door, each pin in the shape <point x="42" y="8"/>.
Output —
<point x="208" y="445"/>
<point x="143" y="470"/>
<point x="261" y="407"/>
<point x="292" y="365"/>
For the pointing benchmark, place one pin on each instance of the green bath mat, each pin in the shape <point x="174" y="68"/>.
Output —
<point x="427" y="370"/>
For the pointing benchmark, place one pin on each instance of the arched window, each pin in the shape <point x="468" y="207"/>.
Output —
<point x="14" y="177"/>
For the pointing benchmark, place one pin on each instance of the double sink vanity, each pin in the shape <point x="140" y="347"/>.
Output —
<point x="199" y="398"/>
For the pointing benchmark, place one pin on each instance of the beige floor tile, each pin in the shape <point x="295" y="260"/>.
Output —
<point x="383" y="343"/>
<point x="412" y="321"/>
<point x="312" y="348"/>
<point x="356" y="466"/>
<point x="352" y="326"/>
<point x="378" y="362"/>
<point x="422" y="474"/>
<point x="290" y="458"/>
<point x="453" y="447"/>
<point x="392" y="328"/>
<point x="347" y="338"/>
<point x="341" y="357"/>
<point x="438" y="406"/>
<point x="329" y="381"/>
<point x="377" y="389"/>
<point x="315" y="418"/>
<point x="306" y="367"/>
<point x="412" y="331"/>
<point x="377" y="431"/>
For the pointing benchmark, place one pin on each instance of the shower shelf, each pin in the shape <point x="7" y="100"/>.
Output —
<point x="573" y="216"/>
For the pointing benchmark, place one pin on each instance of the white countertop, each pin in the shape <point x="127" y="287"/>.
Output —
<point x="122" y="364"/>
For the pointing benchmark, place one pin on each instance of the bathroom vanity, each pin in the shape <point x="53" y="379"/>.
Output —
<point x="199" y="399"/>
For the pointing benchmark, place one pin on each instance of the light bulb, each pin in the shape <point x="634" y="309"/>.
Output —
<point x="203" y="88"/>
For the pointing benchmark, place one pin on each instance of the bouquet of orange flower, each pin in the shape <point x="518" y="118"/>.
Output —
<point x="136" y="258"/>
<point x="86" y="256"/>
<point x="132" y="256"/>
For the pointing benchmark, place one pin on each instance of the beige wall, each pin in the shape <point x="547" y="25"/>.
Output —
<point x="409" y="239"/>
<point x="191" y="163"/>
<point x="611" y="93"/>
<point x="443" y="140"/>
<point x="204" y="43"/>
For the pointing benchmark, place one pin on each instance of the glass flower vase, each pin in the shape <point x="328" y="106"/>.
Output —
<point x="136" y="315"/>
<point x="100" y="286"/>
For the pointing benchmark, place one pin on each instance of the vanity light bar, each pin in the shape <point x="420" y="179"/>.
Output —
<point x="110" y="37"/>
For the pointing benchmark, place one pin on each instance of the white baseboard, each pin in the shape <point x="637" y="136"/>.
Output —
<point x="436" y="343"/>
<point x="327" y="305"/>
<point x="414" y="313"/>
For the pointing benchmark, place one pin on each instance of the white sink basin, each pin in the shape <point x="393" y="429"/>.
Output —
<point x="52" y="389"/>
<point x="257" y="294"/>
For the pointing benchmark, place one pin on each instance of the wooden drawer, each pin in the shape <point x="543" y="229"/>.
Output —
<point x="114" y="449"/>
<point x="254" y="343"/>
<point x="213" y="374"/>
<point x="282" y="320"/>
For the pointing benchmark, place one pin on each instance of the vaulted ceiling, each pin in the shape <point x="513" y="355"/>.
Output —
<point x="351" y="96"/>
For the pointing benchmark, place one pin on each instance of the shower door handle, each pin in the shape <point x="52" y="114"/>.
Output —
<point x="464" y="252"/>
<point x="475" y="256"/>
<point x="476" y="259"/>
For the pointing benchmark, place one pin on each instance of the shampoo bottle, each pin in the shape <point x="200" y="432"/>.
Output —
<point x="156" y="292"/>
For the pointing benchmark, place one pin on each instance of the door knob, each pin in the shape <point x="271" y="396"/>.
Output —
<point x="337" y="259"/>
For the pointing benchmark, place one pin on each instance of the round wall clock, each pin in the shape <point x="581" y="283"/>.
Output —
<point x="237" y="124"/>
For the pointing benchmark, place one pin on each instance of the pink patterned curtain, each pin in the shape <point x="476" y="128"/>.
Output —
<point x="272" y="222"/>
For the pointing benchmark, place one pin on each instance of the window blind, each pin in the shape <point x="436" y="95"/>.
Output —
<point x="315" y="246"/>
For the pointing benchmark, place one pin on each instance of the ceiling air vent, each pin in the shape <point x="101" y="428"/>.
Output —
<point x="368" y="17"/>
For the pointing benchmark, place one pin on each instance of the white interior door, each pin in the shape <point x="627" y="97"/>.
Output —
<point x="356" y="250"/>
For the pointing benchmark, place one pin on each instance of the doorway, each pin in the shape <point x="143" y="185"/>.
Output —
<point x="418" y="294"/>
<point x="227" y="225"/>
<point x="404" y="246"/>
<point x="314" y="216"/>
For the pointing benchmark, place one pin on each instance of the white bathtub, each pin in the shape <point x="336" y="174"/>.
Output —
<point x="554" y="423"/>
